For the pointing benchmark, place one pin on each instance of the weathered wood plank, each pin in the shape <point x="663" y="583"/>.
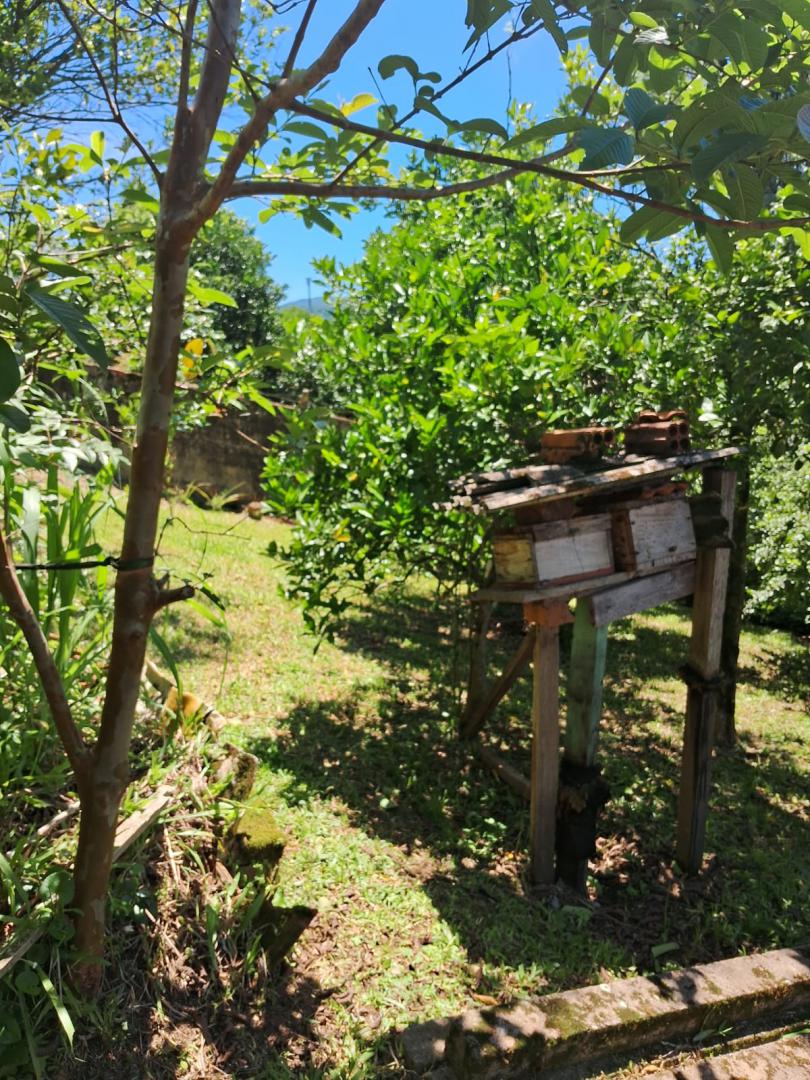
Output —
<point x="545" y="752"/>
<point x="643" y="593"/>
<point x="592" y="483"/>
<point x="696" y="760"/>
<point x="655" y="536"/>
<point x="478" y="712"/>
<point x="711" y="579"/>
<point x="511" y="777"/>
<point x="584" y="695"/>
<point x="516" y="595"/>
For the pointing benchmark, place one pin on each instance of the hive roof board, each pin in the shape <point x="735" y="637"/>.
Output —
<point x="507" y="489"/>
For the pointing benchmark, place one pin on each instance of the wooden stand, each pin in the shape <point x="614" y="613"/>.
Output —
<point x="598" y="603"/>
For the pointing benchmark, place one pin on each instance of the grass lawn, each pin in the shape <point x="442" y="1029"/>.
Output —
<point x="415" y="856"/>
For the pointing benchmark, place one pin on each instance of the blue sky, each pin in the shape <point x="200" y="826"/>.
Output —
<point x="434" y="34"/>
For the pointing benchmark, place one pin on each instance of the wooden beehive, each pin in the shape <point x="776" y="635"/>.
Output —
<point x="556" y="552"/>
<point x="654" y="535"/>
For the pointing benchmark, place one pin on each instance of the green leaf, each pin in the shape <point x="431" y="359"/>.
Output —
<point x="140" y="196"/>
<point x="726" y="149"/>
<point x="604" y="147"/>
<point x="642" y="110"/>
<point x="307" y="129"/>
<point x="544" y="10"/>
<point x="97" y="147"/>
<point x="755" y="43"/>
<point x="58" y="1007"/>
<point x="312" y="216"/>
<point x="166" y="655"/>
<point x="649" y="221"/>
<point x="483" y="124"/>
<point x="358" y="102"/>
<point x="390" y="65"/>
<point x="721" y="246"/>
<point x="744" y="190"/>
<point x="73" y="321"/>
<point x="9" y="371"/>
<point x="601" y="37"/>
<point x="558" y="125"/>
<point x="798" y="11"/>
<point x="709" y="115"/>
<point x="208" y="295"/>
<point x="801" y="238"/>
<point x="15" y="418"/>
<point x="640" y="18"/>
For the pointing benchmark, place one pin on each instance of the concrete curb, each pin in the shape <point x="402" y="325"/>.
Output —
<point x="596" y="1021"/>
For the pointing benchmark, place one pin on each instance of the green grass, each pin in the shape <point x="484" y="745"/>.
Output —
<point x="415" y="857"/>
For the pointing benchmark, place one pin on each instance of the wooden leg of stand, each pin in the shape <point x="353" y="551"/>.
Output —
<point x="545" y="752"/>
<point x="586" y="675"/>
<point x="702" y="672"/>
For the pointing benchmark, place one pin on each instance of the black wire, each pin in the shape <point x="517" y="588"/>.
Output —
<point x="89" y="564"/>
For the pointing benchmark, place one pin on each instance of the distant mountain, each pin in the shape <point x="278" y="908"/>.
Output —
<point x="316" y="306"/>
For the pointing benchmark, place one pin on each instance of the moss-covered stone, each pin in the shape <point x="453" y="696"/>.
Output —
<point x="257" y="840"/>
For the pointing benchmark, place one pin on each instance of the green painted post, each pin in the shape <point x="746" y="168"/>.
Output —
<point x="587" y="671"/>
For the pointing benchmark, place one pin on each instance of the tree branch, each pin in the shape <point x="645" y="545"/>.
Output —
<point x="280" y="96"/>
<point x="112" y="103"/>
<point x="243" y="189"/>
<point x="490" y="54"/>
<point x="586" y="179"/>
<point x="220" y="46"/>
<point x="173" y="596"/>
<point x="185" y="54"/>
<point x="23" y="615"/>
<point x="298" y="40"/>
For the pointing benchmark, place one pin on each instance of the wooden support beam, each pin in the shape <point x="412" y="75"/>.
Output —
<point x="545" y="752"/>
<point x="583" y="713"/>
<point x="586" y="675"/>
<point x="477" y="712"/>
<point x="514" y="779"/>
<point x="703" y="670"/>
<point x="547" y="613"/>
<point x="607" y="605"/>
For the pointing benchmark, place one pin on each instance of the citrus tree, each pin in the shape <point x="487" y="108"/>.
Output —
<point x="710" y="130"/>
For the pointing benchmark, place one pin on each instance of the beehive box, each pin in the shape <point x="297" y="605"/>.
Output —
<point x="652" y="536"/>
<point x="554" y="553"/>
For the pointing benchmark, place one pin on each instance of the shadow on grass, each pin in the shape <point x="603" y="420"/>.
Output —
<point x="406" y="778"/>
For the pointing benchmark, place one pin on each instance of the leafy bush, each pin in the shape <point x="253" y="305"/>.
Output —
<point x="467" y="330"/>
<point x="780" y="539"/>
<point x="464" y="332"/>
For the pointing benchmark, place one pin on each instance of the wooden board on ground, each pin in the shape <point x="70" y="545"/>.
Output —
<point x="126" y="834"/>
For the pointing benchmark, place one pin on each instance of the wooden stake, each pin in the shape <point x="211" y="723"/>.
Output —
<point x="711" y="577"/>
<point x="502" y="769"/>
<point x="545" y="752"/>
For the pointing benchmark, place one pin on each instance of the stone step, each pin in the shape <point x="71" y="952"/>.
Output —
<point x="784" y="1059"/>
<point x="621" y="1018"/>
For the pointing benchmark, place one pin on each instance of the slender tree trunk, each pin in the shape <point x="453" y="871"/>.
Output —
<point x="732" y="623"/>
<point x="136" y="600"/>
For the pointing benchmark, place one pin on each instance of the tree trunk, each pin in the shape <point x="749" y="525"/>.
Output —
<point x="136" y="600"/>
<point x="726" y="732"/>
